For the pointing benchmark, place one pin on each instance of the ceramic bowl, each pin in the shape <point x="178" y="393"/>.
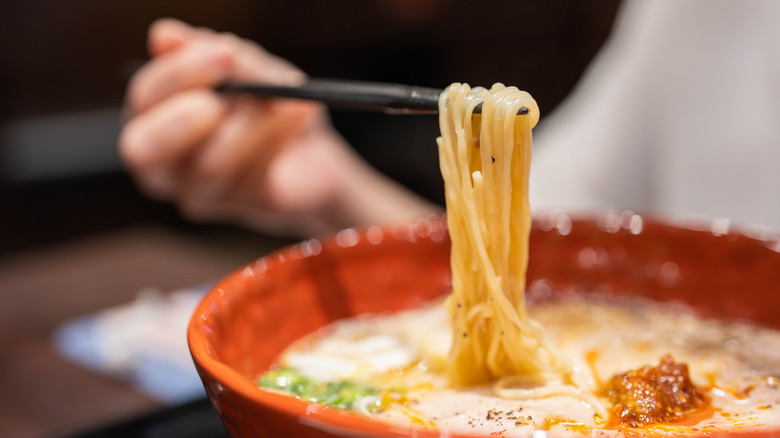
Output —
<point x="249" y="317"/>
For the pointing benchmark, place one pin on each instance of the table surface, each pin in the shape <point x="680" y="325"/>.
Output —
<point x="40" y="288"/>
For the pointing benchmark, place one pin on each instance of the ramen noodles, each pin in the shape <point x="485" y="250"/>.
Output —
<point x="487" y="361"/>
<point x="485" y="162"/>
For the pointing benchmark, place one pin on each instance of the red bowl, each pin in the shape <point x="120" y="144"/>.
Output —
<point x="248" y="318"/>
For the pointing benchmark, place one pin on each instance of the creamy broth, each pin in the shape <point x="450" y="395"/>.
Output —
<point x="402" y="358"/>
<point x="486" y="362"/>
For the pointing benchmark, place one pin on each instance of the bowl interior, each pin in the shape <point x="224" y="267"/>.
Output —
<point x="248" y="318"/>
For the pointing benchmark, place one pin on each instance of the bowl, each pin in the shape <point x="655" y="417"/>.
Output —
<point x="245" y="321"/>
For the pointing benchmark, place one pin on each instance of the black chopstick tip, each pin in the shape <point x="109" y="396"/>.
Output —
<point x="523" y="110"/>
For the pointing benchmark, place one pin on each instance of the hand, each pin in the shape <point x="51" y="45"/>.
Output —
<point x="276" y="166"/>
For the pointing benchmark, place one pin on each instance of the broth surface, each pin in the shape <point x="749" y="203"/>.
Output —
<point x="393" y="368"/>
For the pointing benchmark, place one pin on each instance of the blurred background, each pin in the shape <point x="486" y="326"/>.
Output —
<point x="78" y="238"/>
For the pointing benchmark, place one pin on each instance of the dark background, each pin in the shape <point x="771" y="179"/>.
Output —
<point x="65" y="65"/>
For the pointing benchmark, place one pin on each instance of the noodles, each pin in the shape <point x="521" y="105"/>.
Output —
<point x="485" y="161"/>
<point x="394" y="367"/>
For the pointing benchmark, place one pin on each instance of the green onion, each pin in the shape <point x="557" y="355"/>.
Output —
<point x="341" y="394"/>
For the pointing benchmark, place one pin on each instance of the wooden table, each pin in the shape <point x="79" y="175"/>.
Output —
<point x="45" y="395"/>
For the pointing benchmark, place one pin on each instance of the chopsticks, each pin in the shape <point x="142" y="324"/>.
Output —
<point x="352" y="95"/>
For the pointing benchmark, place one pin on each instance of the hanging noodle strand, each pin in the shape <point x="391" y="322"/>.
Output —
<point x="485" y="162"/>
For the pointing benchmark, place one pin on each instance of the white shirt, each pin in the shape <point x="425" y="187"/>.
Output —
<point x="679" y="113"/>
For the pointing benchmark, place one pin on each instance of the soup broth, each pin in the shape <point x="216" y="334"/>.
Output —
<point x="485" y="361"/>
<point x="392" y="367"/>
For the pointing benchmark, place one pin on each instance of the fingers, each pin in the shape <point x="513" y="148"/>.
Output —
<point x="185" y="57"/>
<point x="186" y="143"/>
<point x="254" y="63"/>
<point x="195" y="65"/>
<point x="202" y="59"/>
<point x="168" y="34"/>
<point x="154" y="143"/>
<point x="247" y="141"/>
<point x="240" y="139"/>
